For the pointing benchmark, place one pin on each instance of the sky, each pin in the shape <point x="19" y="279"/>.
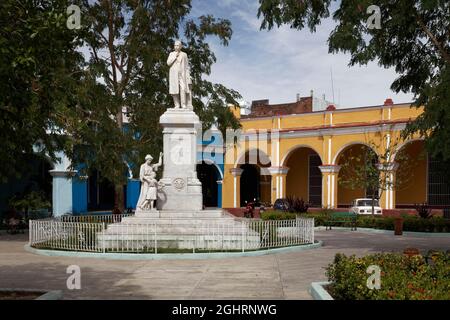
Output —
<point x="280" y="63"/>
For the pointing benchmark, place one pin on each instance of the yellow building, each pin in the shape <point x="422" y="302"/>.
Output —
<point x="290" y="149"/>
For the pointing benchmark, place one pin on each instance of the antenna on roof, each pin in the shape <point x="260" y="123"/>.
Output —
<point x="332" y="84"/>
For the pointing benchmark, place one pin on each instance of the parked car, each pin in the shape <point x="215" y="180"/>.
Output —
<point x="281" y="204"/>
<point x="364" y="206"/>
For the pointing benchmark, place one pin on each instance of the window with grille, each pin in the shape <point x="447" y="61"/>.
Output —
<point x="438" y="185"/>
<point x="315" y="181"/>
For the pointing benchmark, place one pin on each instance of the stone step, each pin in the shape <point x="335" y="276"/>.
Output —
<point x="215" y="229"/>
<point x="185" y="214"/>
<point x="180" y="242"/>
<point x="176" y="229"/>
<point x="168" y="236"/>
<point x="180" y="220"/>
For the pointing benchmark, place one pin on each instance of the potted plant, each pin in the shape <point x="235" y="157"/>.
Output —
<point x="398" y="226"/>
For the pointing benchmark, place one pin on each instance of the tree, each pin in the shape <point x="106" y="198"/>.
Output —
<point x="414" y="38"/>
<point x="39" y="70"/>
<point x="360" y="172"/>
<point x="128" y="43"/>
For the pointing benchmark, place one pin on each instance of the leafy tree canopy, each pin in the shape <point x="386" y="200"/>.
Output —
<point x="128" y="44"/>
<point x="38" y="71"/>
<point x="70" y="89"/>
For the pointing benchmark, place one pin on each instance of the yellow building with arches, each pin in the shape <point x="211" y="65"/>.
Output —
<point x="291" y="150"/>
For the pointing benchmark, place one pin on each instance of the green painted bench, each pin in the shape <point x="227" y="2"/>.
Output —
<point x="341" y="217"/>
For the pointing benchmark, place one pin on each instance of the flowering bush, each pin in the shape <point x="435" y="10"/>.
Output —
<point x="402" y="277"/>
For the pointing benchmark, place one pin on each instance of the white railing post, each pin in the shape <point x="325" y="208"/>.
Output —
<point x="30" y="232"/>
<point x="242" y="236"/>
<point x="195" y="239"/>
<point x="104" y="237"/>
<point x="156" y="240"/>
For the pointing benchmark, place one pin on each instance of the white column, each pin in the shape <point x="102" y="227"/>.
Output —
<point x="388" y="170"/>
<point x="278" y="174"/>
<point x="236" y="173"/>
<point x="62" y="186"/>
<point x="330" y="189"/>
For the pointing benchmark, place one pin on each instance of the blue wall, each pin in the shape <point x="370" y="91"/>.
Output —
<point x="79" y="195"/>
<point x="80" y="186"/>
<point x="133" y="190"/>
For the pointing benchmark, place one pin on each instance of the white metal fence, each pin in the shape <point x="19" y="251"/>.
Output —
<point x="73" y="236"/>
<point x="98" y="218"/>
<point x="242" y="235"/>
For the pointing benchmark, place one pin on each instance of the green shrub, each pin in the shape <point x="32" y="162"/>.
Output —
<point x="402" y="278"/>
<point x="277" y="215"/>
<point x="376" y="222"/>
<point x="319" y="218"/>
<point x="434" y="224"/>
<point x="410" y="223"/>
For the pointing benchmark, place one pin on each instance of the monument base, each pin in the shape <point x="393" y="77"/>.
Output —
<point x="211" y="229"/>
<point x="182" y="189"/>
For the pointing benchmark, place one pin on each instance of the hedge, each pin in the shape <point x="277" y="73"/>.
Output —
<point x="277" y="215"/>
<point x="402" y="277"/>
<point x="410" y="223"/>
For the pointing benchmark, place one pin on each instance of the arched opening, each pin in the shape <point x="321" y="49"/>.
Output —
<point x="419" y="178"/>
<point x="208" y="174"/>
<point x="255" y="179"/>
<point x="358" y="177"/>
<point x="100" y="192"/>
<point x="304" y="179"/>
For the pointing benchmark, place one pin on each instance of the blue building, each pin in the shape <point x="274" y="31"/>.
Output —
<point x="72" y="193"/>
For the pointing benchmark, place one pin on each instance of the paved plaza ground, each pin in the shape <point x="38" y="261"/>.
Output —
<point x="275" y="276"/>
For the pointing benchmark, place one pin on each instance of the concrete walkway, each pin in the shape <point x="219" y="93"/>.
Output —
<point x="278" y="276"/>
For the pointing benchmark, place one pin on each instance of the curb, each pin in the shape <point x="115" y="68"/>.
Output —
<point x="169" y="256"/>
<point x="406" y="233"/>
<point x="317" y="291"/>
<point x="49" y="295"/>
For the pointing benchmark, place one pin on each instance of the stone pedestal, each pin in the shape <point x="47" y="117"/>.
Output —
<point x="182" y="190"/>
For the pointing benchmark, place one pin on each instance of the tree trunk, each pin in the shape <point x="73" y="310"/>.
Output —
<point x="118" y="197"/>
<point x="373" y="201"/>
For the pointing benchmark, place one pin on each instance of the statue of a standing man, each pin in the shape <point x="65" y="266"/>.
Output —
<point x="180" y="83"/>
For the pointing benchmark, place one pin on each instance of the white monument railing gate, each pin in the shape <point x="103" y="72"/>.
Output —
<point x="242" y="235"/>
